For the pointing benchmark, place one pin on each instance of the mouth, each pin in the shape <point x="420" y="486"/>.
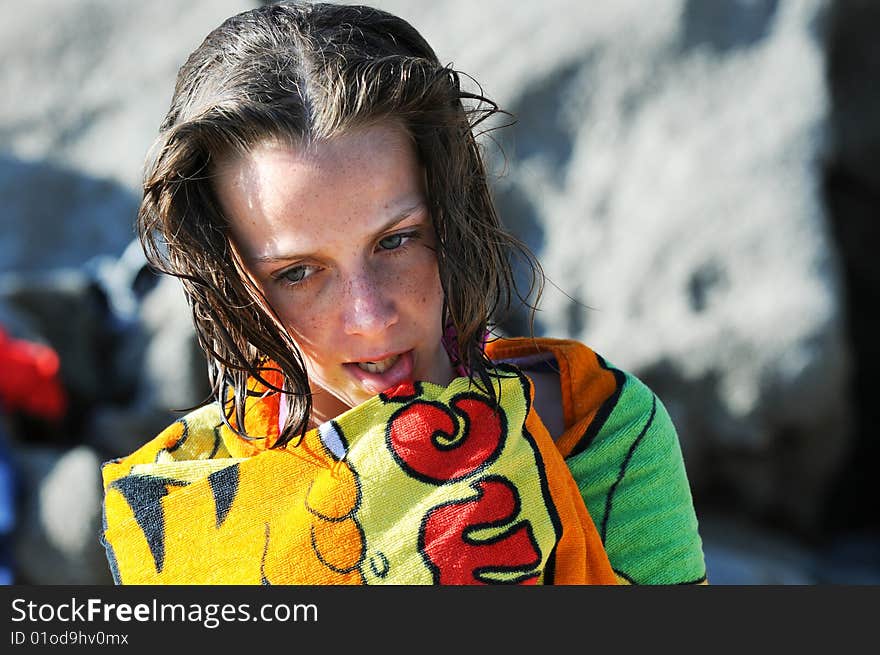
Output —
<point x="380" y="366"/>
<point x="377" y="375"/>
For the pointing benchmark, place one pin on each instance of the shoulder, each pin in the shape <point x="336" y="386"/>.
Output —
<point x="197" y="435"/>
<point x="623" y="451"/>
<point x="571" y="381"/>
<point x="629" y="467"/>
<point x="204" y="434"/>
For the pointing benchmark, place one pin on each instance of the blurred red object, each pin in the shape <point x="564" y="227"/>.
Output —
<point x="29" y="379"/>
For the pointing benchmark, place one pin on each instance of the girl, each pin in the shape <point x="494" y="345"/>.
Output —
<point x="317" y="188"/>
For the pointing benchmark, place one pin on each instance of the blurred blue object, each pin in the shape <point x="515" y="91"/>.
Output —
<point x="8" y="502"/>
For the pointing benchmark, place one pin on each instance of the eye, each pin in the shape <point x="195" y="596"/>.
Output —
<point x="296" y="274"/>
<point x="392" y="242"/>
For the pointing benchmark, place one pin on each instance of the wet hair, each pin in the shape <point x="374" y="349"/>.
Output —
<point x="308" y="72"/>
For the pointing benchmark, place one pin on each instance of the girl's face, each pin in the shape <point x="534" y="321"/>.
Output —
<point x="339" y="239"/>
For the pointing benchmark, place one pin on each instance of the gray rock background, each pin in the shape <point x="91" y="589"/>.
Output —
<point x="697" y="178"/>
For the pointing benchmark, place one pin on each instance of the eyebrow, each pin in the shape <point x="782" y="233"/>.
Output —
<point x="398" y="218"/>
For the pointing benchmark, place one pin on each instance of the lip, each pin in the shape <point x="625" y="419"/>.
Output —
<point x="401" y="371"/>
<point x="376" y="358"/>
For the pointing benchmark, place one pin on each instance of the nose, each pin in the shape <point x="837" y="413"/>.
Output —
<point x="370" y="307"/>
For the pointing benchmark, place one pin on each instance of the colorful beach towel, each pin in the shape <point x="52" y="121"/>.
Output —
<point x="422" y="484"/>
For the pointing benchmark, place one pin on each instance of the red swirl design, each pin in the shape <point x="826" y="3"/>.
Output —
<point x="458" y="558"/>
<point x="431" y="443"/>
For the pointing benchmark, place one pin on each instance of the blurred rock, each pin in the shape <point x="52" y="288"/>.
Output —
<point x="665" y="164"/>
<point x="851" y="558"/>
<point x="117" y="431"/>
<point x="852" y="190"/>
<point x="54" y="217"/>
<point x="56" y="539"/>
<point x="174" y="374"/>
<point x="98" y="77"/>
<point x="740" y="553"/>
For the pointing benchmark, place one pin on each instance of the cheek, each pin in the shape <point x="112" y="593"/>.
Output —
<point x="421" y="284"/>
<point x="304" y="323"/>
<point x="309" y="330"/>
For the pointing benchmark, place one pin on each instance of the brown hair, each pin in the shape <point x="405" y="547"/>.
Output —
<point x="308" y="72"/>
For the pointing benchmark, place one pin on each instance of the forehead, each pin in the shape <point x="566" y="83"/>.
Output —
<point x="349" y="150"/>
<point x="280" y="194"/>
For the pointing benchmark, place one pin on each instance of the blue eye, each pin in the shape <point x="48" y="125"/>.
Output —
<point x="295" y="274"/>
<point x="392" y="242"/>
